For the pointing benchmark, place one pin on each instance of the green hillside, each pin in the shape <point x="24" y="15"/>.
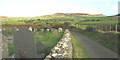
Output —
<point x="78" y="18"/>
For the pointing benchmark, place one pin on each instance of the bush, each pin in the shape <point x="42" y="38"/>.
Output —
<point x="11" y="49"/>
<point x="67" y="23"/>
<point x="89" y="28"/>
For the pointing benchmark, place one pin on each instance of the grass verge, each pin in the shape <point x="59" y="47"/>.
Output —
<point x="78" y="51"/>
<point x="108" y="39"/>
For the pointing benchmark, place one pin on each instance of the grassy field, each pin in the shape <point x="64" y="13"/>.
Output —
<point x="81" y="26"/>
<point x="13" y="22"/>
<point x="78" y="51"/>
<point x="109" y="40"/>
<point x="60" y="18"/>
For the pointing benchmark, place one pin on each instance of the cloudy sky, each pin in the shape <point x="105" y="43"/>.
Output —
<point x="28" y="8"/>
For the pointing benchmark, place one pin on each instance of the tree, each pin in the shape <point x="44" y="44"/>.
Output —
<point x="89" y="28"/>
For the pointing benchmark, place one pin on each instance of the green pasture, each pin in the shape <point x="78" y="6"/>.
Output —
<point x="13" y="22"/>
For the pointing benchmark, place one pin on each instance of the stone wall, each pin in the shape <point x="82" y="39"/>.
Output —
<point x="3" y="47"/>
<point x="63" y="49"/>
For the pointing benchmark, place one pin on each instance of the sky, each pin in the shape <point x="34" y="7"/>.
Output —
<point x="32" y="8"/>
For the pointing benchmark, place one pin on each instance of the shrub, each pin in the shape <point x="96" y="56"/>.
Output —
<point x="89" y="28"/>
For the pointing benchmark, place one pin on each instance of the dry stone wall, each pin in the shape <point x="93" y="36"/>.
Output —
<point x="63" y="49"/>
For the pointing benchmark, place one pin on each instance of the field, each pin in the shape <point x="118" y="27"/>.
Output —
<point x="102" y="29"/>
<point x="73" y="20"/>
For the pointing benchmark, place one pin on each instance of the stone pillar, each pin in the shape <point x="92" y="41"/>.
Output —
<point x="24" y="44"/>
<point x="30" y="28"/>
<point x="0" y="46"/>
<point x="14" y="30"/>
<point x="110" y="28"/>
<point x="60" y="29"/>
<point x="116" y="27"/>
<point x="3" y="47"/>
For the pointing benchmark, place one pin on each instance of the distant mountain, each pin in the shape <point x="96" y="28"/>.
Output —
<point x="73" y="14"/>
<point x="118" y="15"/>
<point x="78" y="14"/>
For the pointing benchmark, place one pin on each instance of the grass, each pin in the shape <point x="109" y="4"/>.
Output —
<point x="13" y="22"/>
<point x="11" y="49"/>
<point x="81" y="26"/>
<point x="8" y="33"/>
<point x="49" y="39"/>
<point x="78" y="51"/>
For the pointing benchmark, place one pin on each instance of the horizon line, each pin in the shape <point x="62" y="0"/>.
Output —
<point x="60" y="13"/>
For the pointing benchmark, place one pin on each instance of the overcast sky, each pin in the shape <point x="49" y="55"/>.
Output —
<point x="28" y="8"/>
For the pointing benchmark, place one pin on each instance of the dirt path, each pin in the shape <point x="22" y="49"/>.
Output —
<point x="93" y="49"/>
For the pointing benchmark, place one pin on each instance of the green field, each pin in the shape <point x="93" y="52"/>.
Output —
<point x="13" y="22"/>
<point x="107" y="39"/>
<point x="56" y="18"/>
